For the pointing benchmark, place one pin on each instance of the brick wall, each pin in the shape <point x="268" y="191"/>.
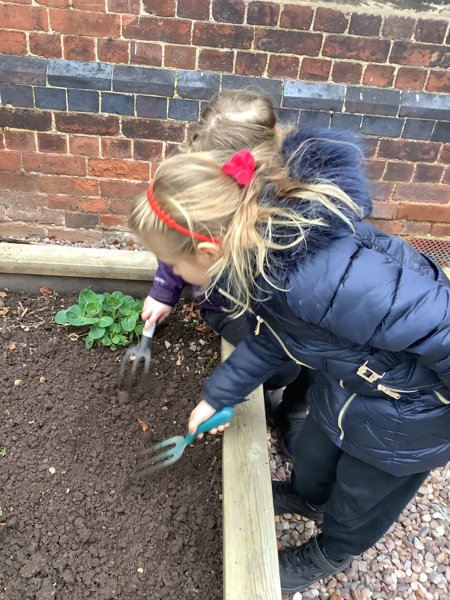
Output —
<point x="95" y="92"/>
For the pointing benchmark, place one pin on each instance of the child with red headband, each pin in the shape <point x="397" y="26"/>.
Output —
<point x="277" y="230"/>
<point x="251" y="116"/>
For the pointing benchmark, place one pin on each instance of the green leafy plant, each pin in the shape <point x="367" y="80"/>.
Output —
<point x="3" y="452"/>
<point x="111" y="320"/>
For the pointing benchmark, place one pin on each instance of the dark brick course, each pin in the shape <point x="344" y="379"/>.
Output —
<point x="183" y="110"/>
<point x="422" y="104"/>
<point x="271" y="87"/>
<point x="197" y="85"/>
<point x="313" y="95"/>
<point x="382" y="126"/>
<point x="153" y="107"/>
<point x="50" y="98"/>
<point x="76" y="74"/>
<point x="117" y="104"/>
<point x="17" y="95"/>
<point x="418" y="129"/>
<point x="441" y="132"/>
<point x="83" y="100"/>
<point x="160" y="82"/>
<point x="346" y="121"/>
<point x="315" y="118"/>
<point x="372" y="100"/>
<point x="21" y="69"/>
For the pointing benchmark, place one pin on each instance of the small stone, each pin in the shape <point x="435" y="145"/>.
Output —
<point x="167" y="344"/>
<point x="17" y="382"/>
<point x="42" y="379"/>
<point x="140" y="570"/>
<point x="52" y="470"/>
<point x="418" y="544"/>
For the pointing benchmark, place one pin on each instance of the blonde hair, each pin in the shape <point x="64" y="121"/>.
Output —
<point x="253" y="223"/>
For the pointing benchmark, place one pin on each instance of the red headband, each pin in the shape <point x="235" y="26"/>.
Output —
<point x="171" y="223"/>
<point x="241" y="167"/>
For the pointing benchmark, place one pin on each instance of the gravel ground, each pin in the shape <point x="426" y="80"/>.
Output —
<point x="125" y="243"/>
<point x="411" y="561"/>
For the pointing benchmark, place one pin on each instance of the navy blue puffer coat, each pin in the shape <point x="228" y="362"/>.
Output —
<point x="368" y="314"/>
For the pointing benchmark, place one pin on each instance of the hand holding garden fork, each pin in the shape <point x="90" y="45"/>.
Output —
<point x="134" y="358"/>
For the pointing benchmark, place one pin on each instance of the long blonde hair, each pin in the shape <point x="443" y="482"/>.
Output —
<point x="193" y="189"/>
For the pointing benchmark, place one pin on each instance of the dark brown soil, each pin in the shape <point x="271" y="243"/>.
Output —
<point x="76" y="523"/>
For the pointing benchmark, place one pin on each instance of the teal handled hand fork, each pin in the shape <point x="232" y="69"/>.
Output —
<point x="165" y="453"/>
<point x="136" y="357"/>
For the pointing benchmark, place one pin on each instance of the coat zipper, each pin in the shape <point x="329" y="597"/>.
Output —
<point x="342" y="413"/>
<point x="259" y="322"/>
<point x="441" y="397"/>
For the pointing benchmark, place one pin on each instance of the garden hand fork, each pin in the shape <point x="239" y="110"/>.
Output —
<point x="169" y="451"/>
<point x="135" y="357"/>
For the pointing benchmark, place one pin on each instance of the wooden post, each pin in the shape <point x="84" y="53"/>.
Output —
<point x="250" y="549"/>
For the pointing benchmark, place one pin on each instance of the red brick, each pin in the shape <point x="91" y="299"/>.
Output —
<point x="193" y="9"/>
<point x="116" y="148"/>
<point x="446" y="178"/>
<point x="250" y="63"/>
<point x="119" y="206"/>
<point x="150" y="151"/>
<point x="2" y="140"/>
<point x="384" y="210"/>
<point x="131" y="7"/>
<point x="118" y="169"/>
<point x="393" y="227"/>
<point x="179" y="57"/>
<point x="121" y="189"/>
<point x="52" y="142"/>
<point x="416" y="228"/>
<point x="398" y="28"/>
<point x="115" y="221"/>
<point x="87" y="236"/>
<point x="54" y="3"/>
<point x="59" y="165"/>
<point x="288" y="42"/>
<point x="356" y="48"/>
<point x="143" y="53"/>
<point x="362" y="24"/>
<point x="374" y="168"/>
<point x="444" y="155"/>
<point x="215" y="60"/>
<point x="296" y="17"/>
<point x="428" y="173"/>
<point x="20" y="140"/>
<point x="440" y="229"/>
<point x="95" y="205"/>
<point x="263" y="13"/>
<point x="439" y="81"/>
<point x="283" y="66"/>
<point x="35" y="215"/>
<point x="13" y="42"/>
<point x="370" y="146"/>
<point x="315" y="69"/>
<point x="28" y="18"/>
<point x="409" y="150"/>
<point x="96" y="5"/>
<point x="84" y="145"/>
<point x="85" y="220"/>
<point x="21" y="2"/>
<point x="417" y="55"/>
<point x="19" y="230"/>
<point x="423" y="192"/>
<point x="379" y="75"/>
<point x="47" y="45"/>
<point x="162" y="8"/>
<point x="9" y="161"/>
<point x="424" y="212"/>
<point x="61" y="202"/>
<point x="410" y="79"/>
<point x="171" y="149"/>
<point x="223" y="36"/>
<point x="330" y="20"/>
<point x="346" y="72"/>
<point x="153" y="129"/>
<point x="90" y="23"/>
<point x="20" y="182"/>
<point x="228" y="11"/>
<point x="113" y="51"/>
<point x="431" y="31"/>
<point x="382" y="190"/>
<point x="398" y="171"/>
<point x="88" y="124"/>
<point x="79" y="48"/>
<point x="72" y="186"/>
<point x="153" y="29"/>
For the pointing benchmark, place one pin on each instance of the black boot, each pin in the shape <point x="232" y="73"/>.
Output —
<point x="272" y="401"/>
<point x="302" y="566"/>
<point x="285" y="500"/>
<point x="290" y="425"/>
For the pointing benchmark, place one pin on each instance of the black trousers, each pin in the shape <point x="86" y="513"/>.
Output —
<point x="361" y="501"/>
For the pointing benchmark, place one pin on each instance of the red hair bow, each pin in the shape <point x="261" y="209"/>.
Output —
<point x="241" y="167"/>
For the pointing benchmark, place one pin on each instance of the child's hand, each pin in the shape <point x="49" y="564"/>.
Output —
<point x="154" y="312"/>
<point x="202" y="412"/>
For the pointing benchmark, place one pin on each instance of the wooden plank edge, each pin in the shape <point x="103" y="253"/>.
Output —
<point x="72" y="261"/>
<point x="249" y="540"/>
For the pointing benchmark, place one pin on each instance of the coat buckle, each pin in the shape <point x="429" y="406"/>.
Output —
<point x="368" y="374"/>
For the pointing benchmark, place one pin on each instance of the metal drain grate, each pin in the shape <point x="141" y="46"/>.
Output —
<point x="438" y="250"/>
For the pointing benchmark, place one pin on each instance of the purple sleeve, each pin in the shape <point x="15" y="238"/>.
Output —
<point x="166" y="286"/>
